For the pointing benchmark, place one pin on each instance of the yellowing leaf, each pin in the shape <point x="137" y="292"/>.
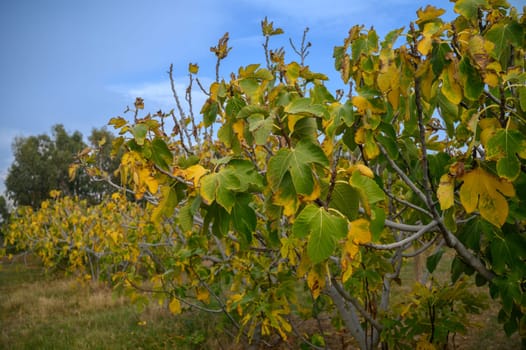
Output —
<point x="428" y="14"/>
<point x="491" y="79"/>
<point x="316" y="283"/>
<point x="316" y="192"/>
<point x="445" y="192"/>
<point x="489" y="126"/>
<point x="424" y="45"/>
<point x="193" y="68"/>
<point x="359" y="136"/>
<point x="486" y="192"/>
<point x="362" y="104"/>
<point x="72" y="171"/>
<point x="360" y="231"/>
<point x="203" y="295"/>
<point x="450" y="86"/>
<point x="194" y="173"/>
<point x="349" y="253"/>
<point x="363" y="169"/>
<point x="239" y="129"/>
<point x="175" y="306"/>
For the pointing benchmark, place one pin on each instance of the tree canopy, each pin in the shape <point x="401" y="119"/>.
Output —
<point x="282" y="200"/>
<point x="42" y="163"/>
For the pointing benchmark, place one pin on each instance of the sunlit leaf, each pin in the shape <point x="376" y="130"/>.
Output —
<point x="360" y="231"/>
<point x="316" y="283"/>
<point x="428" y="14"/>
<point x="139" y="132"/>
<point x="445" y="192"/>
<point x="485" y="192"/>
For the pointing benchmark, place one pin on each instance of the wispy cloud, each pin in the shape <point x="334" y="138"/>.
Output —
<point x="158" y="95"/>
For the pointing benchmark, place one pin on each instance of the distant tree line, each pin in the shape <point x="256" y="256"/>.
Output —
<point x="42" y="162"/>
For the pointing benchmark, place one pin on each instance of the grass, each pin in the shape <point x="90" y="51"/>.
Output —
<point x="44" y="311"/>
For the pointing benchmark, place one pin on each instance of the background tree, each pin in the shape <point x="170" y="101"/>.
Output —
<point x="4" y="217"/>
<point x="42" y="163"/>
<point x="99" y="180"/>
<point x="32" y="174"/>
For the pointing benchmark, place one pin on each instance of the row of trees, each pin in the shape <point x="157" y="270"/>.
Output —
<point x="42" y="163"/>
<point x="283" y="201"/>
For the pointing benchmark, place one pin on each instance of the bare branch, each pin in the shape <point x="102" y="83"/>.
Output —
<point x="403" y="242"/>
<point x="403" y="176"/>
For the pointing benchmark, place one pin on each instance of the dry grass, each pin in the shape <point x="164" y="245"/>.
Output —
<point x="40" y="311"/>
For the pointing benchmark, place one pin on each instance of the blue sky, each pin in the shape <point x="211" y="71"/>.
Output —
<point x="79" y="63"/>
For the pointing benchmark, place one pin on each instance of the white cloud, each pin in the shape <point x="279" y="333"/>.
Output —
<point x="158" y="96"/>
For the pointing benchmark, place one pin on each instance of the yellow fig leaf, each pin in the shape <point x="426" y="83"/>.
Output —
<point x="363" y="104"/>
<point x="359" y="136"/>
<point x="193" y="68"/>
<point x="360" y="231"/>
<point x="445" y="192"/>
<point x="72" y="171"/>
<point x="239" y="129"/>
<point x="486" y="192"/>
<point x="363" y="169"/>
<point x="149" y="180"/>
<point x="316" y="283"/>
<point x="450" y="86"/>
<point x="175" y="306"/>
<point x="349" y="253"/>
<point x="430" y="13"/>
<point x="424" y="46"/>
<point x="203" y="295"/>
<point x="194" y="173"/>
<point x="489" y="127"/>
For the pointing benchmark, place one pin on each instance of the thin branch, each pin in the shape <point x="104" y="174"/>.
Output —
<point x="423" y="248"/>
<point x="409" y="204"/>
<point x="403" y="176"/>
<point x="303" y="339"/>
<point x="405" y="241"/>
<point x="428" y="189"/>
<point x="357" y="305"/>
<point x="180" y="124"/>
<point x="333" y="176"/>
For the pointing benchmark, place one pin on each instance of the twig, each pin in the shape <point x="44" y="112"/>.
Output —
<point x="405" y="241"/>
